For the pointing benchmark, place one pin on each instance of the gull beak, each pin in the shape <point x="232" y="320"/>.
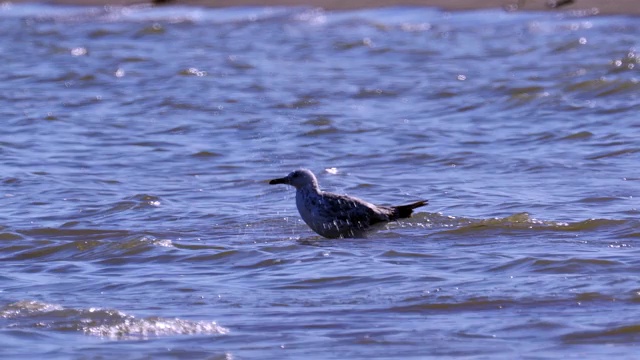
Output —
<point x="283" y="180"/>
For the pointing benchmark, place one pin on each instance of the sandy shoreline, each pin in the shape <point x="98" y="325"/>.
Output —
<point x="604" y="7"/>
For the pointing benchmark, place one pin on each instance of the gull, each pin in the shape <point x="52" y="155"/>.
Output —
<point x="339" y="216"/>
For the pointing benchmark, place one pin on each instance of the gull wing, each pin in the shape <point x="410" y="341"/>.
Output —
<point x="351" y="210"/>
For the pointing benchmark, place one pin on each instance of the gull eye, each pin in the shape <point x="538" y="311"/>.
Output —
<point x="295" y="175"/>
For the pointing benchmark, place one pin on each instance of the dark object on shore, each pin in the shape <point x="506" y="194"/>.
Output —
<point x="161" y="2"/>
<point x="554" y="4"/>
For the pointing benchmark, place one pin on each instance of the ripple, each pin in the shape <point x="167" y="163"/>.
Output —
<point x="9" y="236"/>
<point x="600" y="88"/>
<point x="616" y="334"/>
<point x="393" y="254"/>
<point x="154" y="29"/>
<point x="63" y="233"/>
<point x="627" y="63"/>
<point x="579" y="136"/>
<point x="608" y="154"/>
<point x="366" y="93"/>
<point x="301" y="103"/>
<point x="600" y="199"/>
<point x="465" y="305"/>
<point x="322" y="131"/>
<point x="323" y="282"/>
<point x="560" y="266"/>
<point x="206" y="154"/>
<point x="319" y="121"/>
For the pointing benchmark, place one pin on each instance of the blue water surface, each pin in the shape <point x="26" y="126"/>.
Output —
<point x="136" y="218"/>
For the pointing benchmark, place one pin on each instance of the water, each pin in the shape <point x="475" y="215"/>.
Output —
<point x="137" y="221"/>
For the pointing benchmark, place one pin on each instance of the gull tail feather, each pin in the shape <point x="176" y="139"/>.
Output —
<point x="405" y="211"/>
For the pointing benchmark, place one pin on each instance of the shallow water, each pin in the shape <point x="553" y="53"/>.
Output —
<point x="137" y="221"/>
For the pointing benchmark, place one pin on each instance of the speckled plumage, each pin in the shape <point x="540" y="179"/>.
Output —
<point x="339" y="216"/>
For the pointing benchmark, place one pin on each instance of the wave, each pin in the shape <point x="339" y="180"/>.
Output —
<point x="81" y="244"/>
<point x="521" y="222"/>
<point x="147" y="12"/>
<point x="610" y="335"/>
<point x="105" y="323"/>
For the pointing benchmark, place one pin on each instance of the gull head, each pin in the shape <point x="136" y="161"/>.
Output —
<point x="298" y="179"/>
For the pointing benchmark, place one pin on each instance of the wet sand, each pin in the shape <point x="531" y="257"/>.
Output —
<point x="630" y="7"/>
